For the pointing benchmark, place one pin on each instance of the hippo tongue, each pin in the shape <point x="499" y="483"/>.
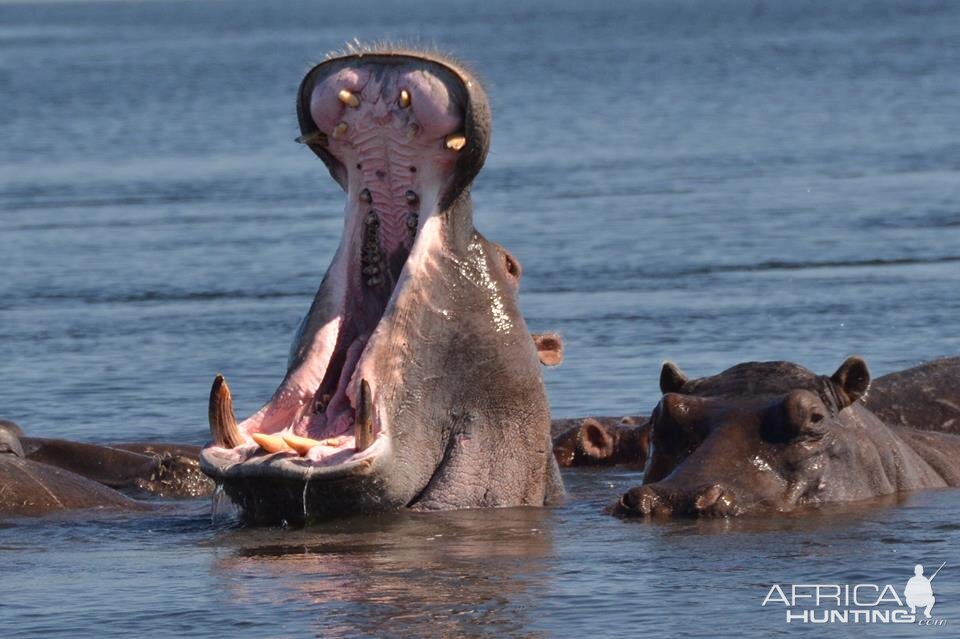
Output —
<point x="333" y="414"/>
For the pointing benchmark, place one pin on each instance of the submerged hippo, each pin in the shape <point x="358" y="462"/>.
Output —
<point x="925" y="396"/>
<point x="162" y="470"/>
<point x="413" y="381"/>
<point x="30" y="488"/>
<point x="773" y="436"/>
<point x="40" y="476"/>
<point x="601" y="441"/>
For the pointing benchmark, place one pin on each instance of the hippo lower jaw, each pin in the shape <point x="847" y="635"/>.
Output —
<point x="323" y="424"/>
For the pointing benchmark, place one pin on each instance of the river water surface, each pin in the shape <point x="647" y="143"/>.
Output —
<point x="697" y="180"/>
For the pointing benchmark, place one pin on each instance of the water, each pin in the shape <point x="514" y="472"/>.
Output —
<point x="703" y="181"/>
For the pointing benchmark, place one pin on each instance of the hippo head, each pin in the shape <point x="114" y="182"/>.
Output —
<point x="413" y="380"/>
<point x="603" y="442"/>
<point x="757" y="437"/>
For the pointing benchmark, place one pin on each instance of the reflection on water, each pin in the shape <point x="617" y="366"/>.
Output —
<point x="471" y="573"/>
<point x="565" y="571"/>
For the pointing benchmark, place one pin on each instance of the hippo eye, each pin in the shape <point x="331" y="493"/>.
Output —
<point x="816" y="418"/>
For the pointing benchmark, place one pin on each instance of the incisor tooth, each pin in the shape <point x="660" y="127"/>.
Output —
<point x="223" y="425"/>
<point x="271" y="443"/>
<point x="303" y="444"/>
<point x="404" y="100"/>
<point x="348" y="98"/>
<point x="340" y="130"/>
<point x="455" y="141"/>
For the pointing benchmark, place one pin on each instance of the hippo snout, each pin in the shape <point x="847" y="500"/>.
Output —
<point x="642" y="501"/>
<point x="656" y="501"/>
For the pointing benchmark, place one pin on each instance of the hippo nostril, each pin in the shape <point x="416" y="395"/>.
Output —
<point x="708" y="498"/>
<point x="714" y="502"/>
<point x="642" y="500"/>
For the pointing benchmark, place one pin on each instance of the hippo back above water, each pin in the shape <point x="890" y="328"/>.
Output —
<point x="775" y="437"/>
<point x="926" y="397"/>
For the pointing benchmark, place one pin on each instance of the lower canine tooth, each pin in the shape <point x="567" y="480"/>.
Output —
<point x="223" y="425"/>
<point x="340" y="130"/>
<point x="271" y="443"/>
<point x="363" y="421"/>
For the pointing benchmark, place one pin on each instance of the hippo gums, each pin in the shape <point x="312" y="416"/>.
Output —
<point x="774" y="437"/>
<point x="413" y="380"/>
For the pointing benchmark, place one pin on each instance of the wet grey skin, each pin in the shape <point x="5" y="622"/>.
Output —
<point x="413" y="380"/>
<point x="772" y="437"/>
<point x="138" y="469"/>
<point x="29" y="488"/>
<point x="926" y="397"/>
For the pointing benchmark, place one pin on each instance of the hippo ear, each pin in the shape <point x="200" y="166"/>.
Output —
<point x="10" y="443"/>
<point x="852" y="378"/>
<point x="672" y="378"/>
<point x="549" y="348"/>
<point x="595" y="440"/>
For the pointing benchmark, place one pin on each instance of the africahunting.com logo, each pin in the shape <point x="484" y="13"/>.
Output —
<point x="859" y="603"/>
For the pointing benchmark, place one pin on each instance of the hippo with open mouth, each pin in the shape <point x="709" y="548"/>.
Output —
<point x="413" y="381"/>
<point x="774" y="437"/>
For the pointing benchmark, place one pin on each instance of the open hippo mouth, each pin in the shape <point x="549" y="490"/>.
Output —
<point x="372" y="401"/>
